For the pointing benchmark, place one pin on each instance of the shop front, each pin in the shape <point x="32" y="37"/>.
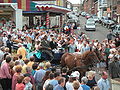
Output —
<point x="10" y="15"/>
<point x="54" y="15"/>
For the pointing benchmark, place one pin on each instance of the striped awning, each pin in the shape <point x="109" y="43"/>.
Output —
<point x="52" y="8"/>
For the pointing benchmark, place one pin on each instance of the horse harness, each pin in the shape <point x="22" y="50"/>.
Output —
<point x="82" y="61"/>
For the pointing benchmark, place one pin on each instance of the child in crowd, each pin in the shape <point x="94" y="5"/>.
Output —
<point x="28" y="85"/>
<point x="20" y="85"/>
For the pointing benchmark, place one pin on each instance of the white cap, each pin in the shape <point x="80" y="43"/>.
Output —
<point x="75" y="74"/>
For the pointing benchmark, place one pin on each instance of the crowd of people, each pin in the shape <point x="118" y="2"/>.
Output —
<point x="20" y="68"/>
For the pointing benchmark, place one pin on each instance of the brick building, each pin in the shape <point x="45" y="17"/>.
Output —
<point x="114" y="6"/>
<point x="90" y="6"/>
<point x="118" y="11"/>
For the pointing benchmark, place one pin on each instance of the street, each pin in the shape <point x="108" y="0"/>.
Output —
<point x="100" y="33"/>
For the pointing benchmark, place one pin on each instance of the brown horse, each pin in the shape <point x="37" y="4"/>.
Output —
<point x="79" y="62"/>
<point x="99" y="54"/>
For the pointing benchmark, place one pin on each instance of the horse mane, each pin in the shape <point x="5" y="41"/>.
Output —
<point x="85" y="54"/>
<point x="99" y="55"/>
<point x="85" y="57"/>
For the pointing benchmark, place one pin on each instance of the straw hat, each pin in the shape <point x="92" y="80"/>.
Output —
<point x="91" y="73"/>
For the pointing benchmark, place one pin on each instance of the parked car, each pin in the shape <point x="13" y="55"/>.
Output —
<point x="110" y="23"/>
<point x="116" y="29"/>
<point x="83" y="14"/>
<point x="103" y="20"/>
<point x="96" y="19"/>
<point x="90" y="25"/>
<point x="91" y="20"/>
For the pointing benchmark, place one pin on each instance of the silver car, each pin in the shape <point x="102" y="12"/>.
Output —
<point x="117" y="29"/>
<point x="90" y="25"/>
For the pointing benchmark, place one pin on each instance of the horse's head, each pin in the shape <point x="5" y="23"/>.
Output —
<point x="94" y="58"/>
<point x="90" y="58"/>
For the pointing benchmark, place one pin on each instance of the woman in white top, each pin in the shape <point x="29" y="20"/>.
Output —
<point x="69" y="84"/>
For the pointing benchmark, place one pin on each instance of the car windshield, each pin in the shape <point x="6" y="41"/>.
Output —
<point x="95" y="17"/>
<point x="90" y="23"/>
<point x="117" y="28"/>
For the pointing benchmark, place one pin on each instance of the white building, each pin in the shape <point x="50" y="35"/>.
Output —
<point x="102" y="5"/>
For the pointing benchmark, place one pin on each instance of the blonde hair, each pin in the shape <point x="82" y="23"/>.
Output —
<point x="76" y="85"/>
<point x="47" y="64"/>
<point x="27" y="79"/>
<point x="18" y="68"/>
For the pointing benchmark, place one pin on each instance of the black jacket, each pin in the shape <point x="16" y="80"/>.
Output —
<point x="53" y="45"/>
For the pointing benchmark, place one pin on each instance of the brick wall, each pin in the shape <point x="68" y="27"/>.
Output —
<point x="87" y="6"/>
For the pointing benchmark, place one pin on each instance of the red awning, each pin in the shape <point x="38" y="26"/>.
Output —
<point x="52" y="8"/>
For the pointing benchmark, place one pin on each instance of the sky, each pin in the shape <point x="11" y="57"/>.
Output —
<point x="75" y="1"/>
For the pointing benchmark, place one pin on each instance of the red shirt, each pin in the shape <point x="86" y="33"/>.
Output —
<point x="20" y="86"/>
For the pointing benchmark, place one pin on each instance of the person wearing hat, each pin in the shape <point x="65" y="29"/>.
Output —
<point x="73" y="77"/>
<point x="91" y="79"/>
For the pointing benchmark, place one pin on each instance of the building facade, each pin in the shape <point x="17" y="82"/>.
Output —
<point x="89" y="6"/>
<point x="33" y="16"/>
